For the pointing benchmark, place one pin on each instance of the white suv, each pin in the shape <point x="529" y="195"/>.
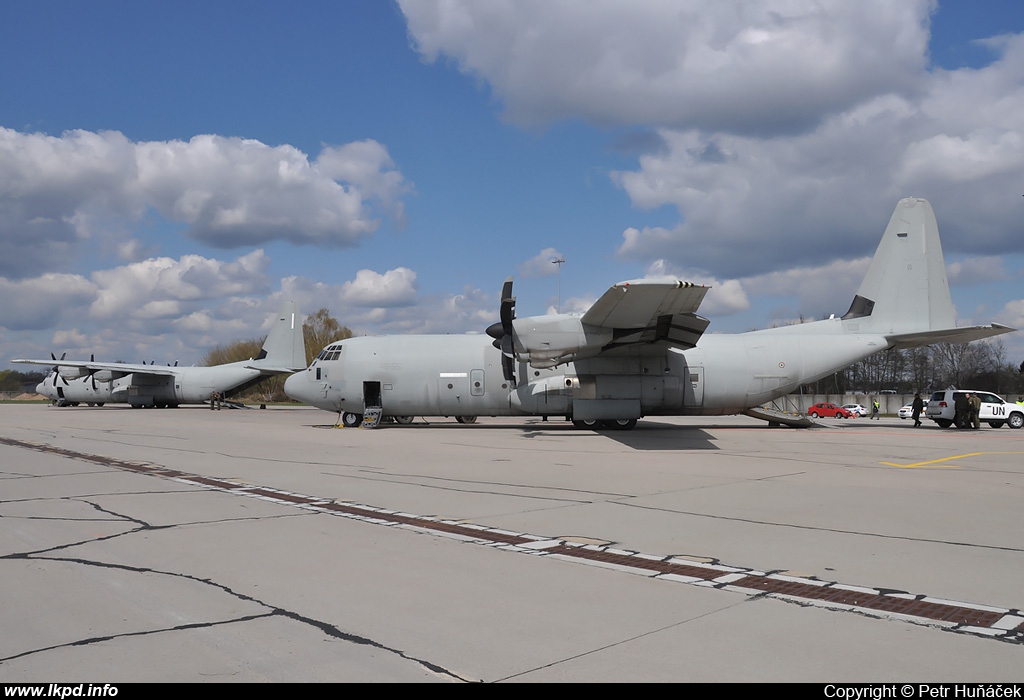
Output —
<point x="994" y="411"/>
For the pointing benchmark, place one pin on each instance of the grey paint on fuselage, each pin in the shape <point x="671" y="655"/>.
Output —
<point x="77" y="382"/>
<point x="461" y="375"/>
<point x="641" y="350"/>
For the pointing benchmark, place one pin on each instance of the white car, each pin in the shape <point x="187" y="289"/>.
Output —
<point x="994" y="410"/>
<point x="856" y="408"/>
<point x="907" y="411"/>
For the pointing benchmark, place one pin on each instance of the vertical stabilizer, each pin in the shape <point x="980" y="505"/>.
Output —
<point x="285" y="346"/>
<point x="905" y="289"/>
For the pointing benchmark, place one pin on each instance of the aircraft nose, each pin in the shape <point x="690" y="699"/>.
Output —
<point x="298" y="387"/>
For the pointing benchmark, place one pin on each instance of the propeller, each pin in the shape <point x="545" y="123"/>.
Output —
<point x="503" y="331"/>
<point x="56" y="369"/>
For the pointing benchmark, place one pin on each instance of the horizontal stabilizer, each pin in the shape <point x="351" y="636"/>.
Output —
<point x="965" y="334"/>
<point x="267" y="370"/>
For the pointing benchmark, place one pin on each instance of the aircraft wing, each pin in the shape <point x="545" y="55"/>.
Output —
<point x="646" y="311"/>
<point x="109" y="366"/>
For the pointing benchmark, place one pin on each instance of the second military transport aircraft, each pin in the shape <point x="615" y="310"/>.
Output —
<point x="641" y="350"/>
<point x="74" y="382"/>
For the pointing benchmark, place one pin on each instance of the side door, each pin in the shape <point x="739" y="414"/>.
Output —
<point x="993" y="408"/>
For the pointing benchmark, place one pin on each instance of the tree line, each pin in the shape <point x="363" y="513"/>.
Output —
<point x="979" y="365"/>
<point x="318" y="330"/>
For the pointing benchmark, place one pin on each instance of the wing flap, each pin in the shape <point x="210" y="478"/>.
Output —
<point x="650" y="311"/>
<point x="639" y="303"/>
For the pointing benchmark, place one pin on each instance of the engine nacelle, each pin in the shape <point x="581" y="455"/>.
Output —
<point x="72" y="372"/>
<point x="106" y="375"/>
<point x="548" y="341"/>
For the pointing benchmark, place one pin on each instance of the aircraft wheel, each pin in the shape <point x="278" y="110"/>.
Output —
<point x="814" y="415"/>
<point x="136" y="405"/>
<point x="351" y="420"/>
<point x="621" y="424"/>
<point x="404" y="420"/>
<point x="89" y="403"/>
<point x="99" y="403"/>
<point x="466" y="419"/>
<point x="585" y="424"/>
<point x="1016" y="421"/>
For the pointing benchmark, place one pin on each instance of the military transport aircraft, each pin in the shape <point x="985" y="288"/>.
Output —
<point x="641" y="350"/>
<point x="73" y="382"/>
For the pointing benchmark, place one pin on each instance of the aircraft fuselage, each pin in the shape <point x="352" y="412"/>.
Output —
<point x="186" y="385"/>
<point x="461" y="375"/>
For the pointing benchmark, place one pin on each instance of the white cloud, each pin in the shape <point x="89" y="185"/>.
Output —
<point x="574" y="305"/>
<point x="369" y="168"/>
<point x="151" y="288"/>
<point x="1013" y="315"/>
<point x="56" y="191"/>
<point x="980" y="270"/>
<point x="38" y="303"/>
<point x="541" y="264"/>
<point x="749" y="204"/>
<point x="370" y="289"/>
<point x="760" y="66"/>
<point x="724" y="298"/>
<point x="785" y="132"/>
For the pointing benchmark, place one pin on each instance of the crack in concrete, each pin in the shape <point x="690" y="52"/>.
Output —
<point x="142" y="526"/>
<point x="627" y="640"/>
<point x="273" y="611"/>
<point x="879" y="535"/>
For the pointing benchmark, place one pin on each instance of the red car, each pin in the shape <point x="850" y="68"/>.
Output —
<point x="829" y="410"/>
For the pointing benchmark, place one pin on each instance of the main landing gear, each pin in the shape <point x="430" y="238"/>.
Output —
<point x="618" y="424"/>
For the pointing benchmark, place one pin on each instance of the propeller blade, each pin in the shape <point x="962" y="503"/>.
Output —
<point x="508" y="368"/>
<point x="56" y="368"/>
<point x="508" y="307"/>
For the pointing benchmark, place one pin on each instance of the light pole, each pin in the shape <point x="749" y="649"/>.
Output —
<point x="559" y="262"/>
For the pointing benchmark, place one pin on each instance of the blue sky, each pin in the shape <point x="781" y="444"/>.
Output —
<point x="169" y="172"/>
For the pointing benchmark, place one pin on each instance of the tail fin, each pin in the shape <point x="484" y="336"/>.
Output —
<point x="905" y="293"/>
<point x="285" y="346"/>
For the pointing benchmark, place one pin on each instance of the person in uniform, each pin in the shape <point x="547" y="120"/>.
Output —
<point x="916" y="408"/>
<point x="974" y="411"/>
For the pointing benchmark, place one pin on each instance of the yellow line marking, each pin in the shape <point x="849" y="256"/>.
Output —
<point x="935" y="463"/>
